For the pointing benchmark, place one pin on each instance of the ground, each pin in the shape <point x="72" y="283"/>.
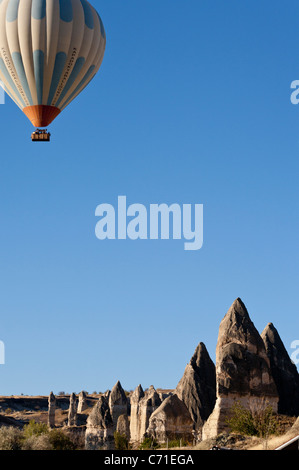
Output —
<point x="20" y="410"/>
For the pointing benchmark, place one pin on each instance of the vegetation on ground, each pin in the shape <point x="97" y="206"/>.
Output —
<point x="121" y="441"/>
<point x="261" y="421"/>
<point x="148" y="443"/>
<point x="35" y="436"/>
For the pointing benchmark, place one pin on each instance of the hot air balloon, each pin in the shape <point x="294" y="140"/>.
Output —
<point x="49" y="51"/>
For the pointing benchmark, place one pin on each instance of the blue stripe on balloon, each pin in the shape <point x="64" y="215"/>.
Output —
<point x="38" y="10"/>
<point x="38" y="60"/>
<point x="10" y="81"/>
<point x="57" y="72"/>
<point x="12" y="10"/>
<point x="88" y="14"/>
<point x="19" y="66"/>
<point x="75" y="72"/>
<point x="66" y="10"/>
<point x="85" y="80"/>
<point x="103" y="33"/>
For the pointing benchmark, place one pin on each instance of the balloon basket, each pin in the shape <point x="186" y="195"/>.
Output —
<point x="40" y="136"/>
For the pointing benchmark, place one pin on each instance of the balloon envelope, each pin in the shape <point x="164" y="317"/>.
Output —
<point x="49" y="51"/>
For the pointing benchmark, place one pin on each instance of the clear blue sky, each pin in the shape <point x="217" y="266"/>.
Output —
<point x="191" y="105"/>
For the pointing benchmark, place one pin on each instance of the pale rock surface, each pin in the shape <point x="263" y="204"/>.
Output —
<point x="99" y="433"/>
<point x="118" y="403"/>
<point x="148" y="404"/>
<point x="123" y="426"/>
<point x="171" y="420"/>
<point x="136" y="397"/>
<point x="72" y="414"/>
<point x="82" y="405"/>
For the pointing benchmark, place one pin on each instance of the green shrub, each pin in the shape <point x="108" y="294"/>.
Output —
<point x="259" y="422"/>
<point x="148" y="443"/>
<point x="37" y="436"/>
<point x="60" y="441"/>
<point x="176" y="443"/>
<point x="241" y="420"/>
<point x="35" y="429"/>
<point x="121" y="441"/>
<point x="265" y="422"/>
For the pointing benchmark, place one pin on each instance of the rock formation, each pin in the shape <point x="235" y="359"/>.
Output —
<point x="171" y="420"/>
<point x="122" y="426"/>
<point x="99" y="427"/>
<point x="118" y="403"/>
<point x="197" y="387"/>
<point x="148" y="404"/>
<point x="136" y="396"/>
<point x="72" y="415"/>
<point x="242" y="369"/>
<point x="51" y="410"/>
<point x="295" y="427"/>
<point x="82" y="405"/>
<point x="283" y="370"/>
<point x="252" y="369"/>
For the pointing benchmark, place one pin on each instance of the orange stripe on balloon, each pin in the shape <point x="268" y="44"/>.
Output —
<point x="41" y="115"/>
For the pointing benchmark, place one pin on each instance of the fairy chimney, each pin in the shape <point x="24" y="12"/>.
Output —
<point x="243" y="370"/>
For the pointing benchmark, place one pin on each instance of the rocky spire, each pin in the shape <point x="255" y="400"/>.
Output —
<point x="136" y="396"/>
<point x="72" y="415"/>
<point x="99" y="427"/>
<point x="51" y="410"/>
<point x="284" y="372"/>
<point x="118" y="402"/>
<point x="242" y="369"/>
<point x="148" y="404"/>
<point x="242" y="365"/>
<point x="82" y="405"/>
<point x="197" y="387"/>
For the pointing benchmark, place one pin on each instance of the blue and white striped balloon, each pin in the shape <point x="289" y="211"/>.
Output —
<point x="49" y="51"/>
